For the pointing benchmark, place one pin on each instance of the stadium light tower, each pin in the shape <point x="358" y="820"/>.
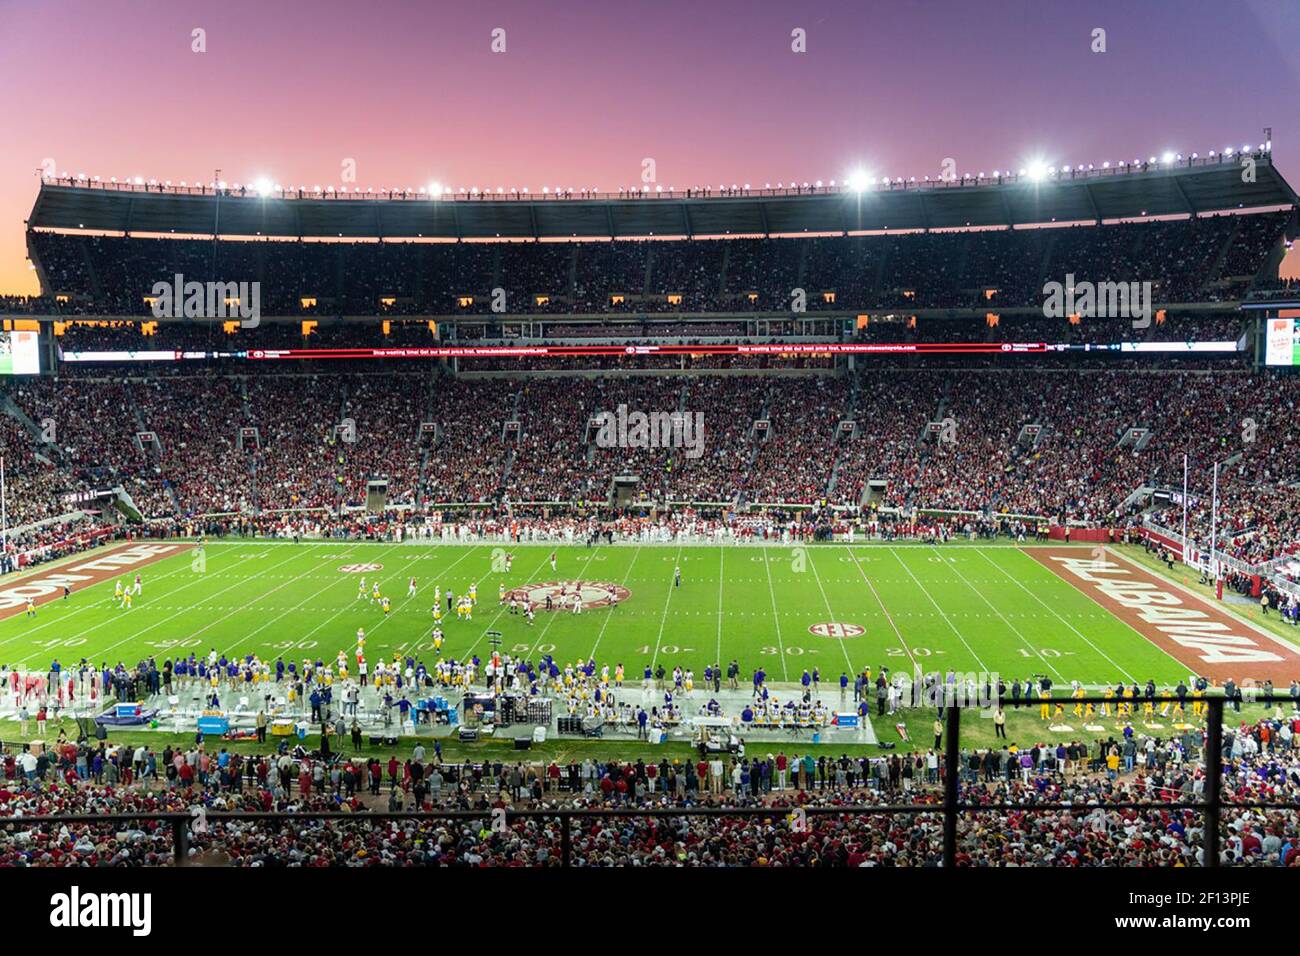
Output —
<point x="1037" y="170"/>
<point x="263" y="185"/>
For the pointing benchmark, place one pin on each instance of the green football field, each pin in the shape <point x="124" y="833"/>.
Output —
<point x="835" y="607"/>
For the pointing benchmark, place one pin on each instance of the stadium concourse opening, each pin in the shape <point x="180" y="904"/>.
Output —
<point x="888" y="561"/>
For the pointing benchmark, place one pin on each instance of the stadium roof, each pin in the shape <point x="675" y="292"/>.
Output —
<point x="1193" y="186"/>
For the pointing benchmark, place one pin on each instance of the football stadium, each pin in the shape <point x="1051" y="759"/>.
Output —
<point x="886" y="521"/>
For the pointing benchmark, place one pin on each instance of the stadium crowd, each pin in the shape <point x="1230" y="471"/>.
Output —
<point x="1210" y="258"/>
<point x="102" y="779"/>
<point x="1039" y="443"/>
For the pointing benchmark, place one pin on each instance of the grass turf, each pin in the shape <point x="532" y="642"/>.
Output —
<point x="969" y="609"/>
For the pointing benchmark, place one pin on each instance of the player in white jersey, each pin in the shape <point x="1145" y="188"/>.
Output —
<point x="501" y="592"/>
<point x="552" y="561"/>
<point x="361" y="640"/>
<point x="410" y="589"/>
<point x="117" y="591"/>
<point x="577" y="602"/>
<point x="473" y="594"/>
<point x="361" y="589"/>
<point x="135" y="589"/>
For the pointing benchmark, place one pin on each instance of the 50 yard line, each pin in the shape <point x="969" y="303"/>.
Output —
<point x="502" y="610"/>
<point x="555" y="614"/>
<point x="831" y="613"/>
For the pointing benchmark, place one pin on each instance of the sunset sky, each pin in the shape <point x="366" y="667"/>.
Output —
<point x="586" y="90"/>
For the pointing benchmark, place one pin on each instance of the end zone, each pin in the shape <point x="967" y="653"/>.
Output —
<point x="78" y="575"/>
<point x="1208" y="640"/>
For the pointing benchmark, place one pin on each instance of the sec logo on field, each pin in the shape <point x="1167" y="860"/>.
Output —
<point x="836" y="630"/>
<point x="360" y="568"/>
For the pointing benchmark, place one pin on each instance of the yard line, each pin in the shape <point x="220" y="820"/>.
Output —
<point x="722" y="553"/>
<point x="677" y="563"/>
<point x="945" y="617"/>
<point x="776" y="617"/>
<point x="233" y="611"/>
<point x="554" y="615"/>
<point x="290" y="610"/>
<point x="609" y="617"/>
<point x="496" y="617"/>
<point x="63" y="618"/>
<point x="1017" y="630"/>
<point x="1021" y="585"/>
<point x="447" y="570"/>
<point x="347" y="607"/>
<point x="847" y="660"/>
<point x="201" y="578"/>
<point x="916" y="668"/>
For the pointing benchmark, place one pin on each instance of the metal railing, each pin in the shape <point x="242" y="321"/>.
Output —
<point x="951" y="806"/>
<point x="645" y="192"/>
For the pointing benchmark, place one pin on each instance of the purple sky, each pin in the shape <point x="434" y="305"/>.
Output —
<point x="586" y="90"/>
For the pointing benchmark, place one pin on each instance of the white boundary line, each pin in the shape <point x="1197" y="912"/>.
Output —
<point x="201" y="577"/>
<point x="1261" y="631"/>
<point x="69" y="566"/>
<point x="243" y="607"/>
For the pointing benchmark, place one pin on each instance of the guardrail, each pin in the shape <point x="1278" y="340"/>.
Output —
<point x="647" y="192"/>
<point x="951" y="806"/>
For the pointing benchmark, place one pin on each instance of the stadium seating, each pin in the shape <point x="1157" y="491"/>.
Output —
<point x="1208" y="259"/>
